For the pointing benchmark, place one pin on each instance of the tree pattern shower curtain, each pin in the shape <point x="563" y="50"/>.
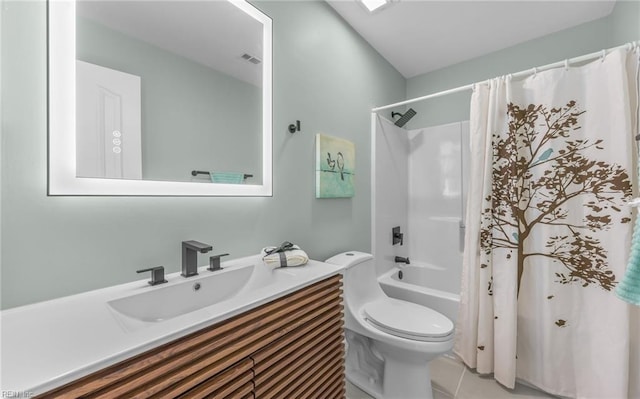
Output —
<point x="548" y="229"/>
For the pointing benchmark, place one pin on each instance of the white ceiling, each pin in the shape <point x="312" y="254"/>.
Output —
<point x="419" y="36"/>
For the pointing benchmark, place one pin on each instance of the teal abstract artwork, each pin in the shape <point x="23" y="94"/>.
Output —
<point x="335" y="164"/>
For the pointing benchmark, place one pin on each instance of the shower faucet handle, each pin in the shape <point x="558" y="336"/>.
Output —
<point x="398" y="237"/>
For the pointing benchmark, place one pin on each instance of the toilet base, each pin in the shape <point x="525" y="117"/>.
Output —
<point x="363" y="366"/>
<point x="406" y="374"/>
<point x="384" y="371"/>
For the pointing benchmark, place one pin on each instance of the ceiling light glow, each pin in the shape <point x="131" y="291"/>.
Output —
<point x="373" y="5"/>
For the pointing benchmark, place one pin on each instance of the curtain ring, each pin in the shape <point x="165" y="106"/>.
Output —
<point x="604" y="54"/>
<point x="535" y="72"/>
<point x="566" y="65"/>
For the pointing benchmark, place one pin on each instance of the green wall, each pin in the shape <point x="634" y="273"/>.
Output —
<point x="621" y="26"/>
<point x="325" y="75"/>
<point x="625" y="22"/>
<point x="193" y="117"/>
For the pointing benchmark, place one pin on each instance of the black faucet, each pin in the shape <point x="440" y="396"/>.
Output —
<point x="400" y="259"/>
<point x="190" y="251"/>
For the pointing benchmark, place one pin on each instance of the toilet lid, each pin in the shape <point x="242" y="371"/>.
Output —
<point x="408" y="320"/>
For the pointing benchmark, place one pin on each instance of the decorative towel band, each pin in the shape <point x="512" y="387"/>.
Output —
<point x="286" y="255"/>
<point x="283" y="259"/>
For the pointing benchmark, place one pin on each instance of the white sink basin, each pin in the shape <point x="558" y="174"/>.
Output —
<point x="163" y="303"/>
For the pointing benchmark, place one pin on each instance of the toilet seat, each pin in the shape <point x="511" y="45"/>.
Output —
<point x="408" y="320"/>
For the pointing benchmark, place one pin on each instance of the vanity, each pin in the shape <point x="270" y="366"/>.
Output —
<point x="273" y="333"/>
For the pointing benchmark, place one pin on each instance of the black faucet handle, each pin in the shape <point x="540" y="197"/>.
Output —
<point x="157" y="275"/>
<point x="214" y="262"/>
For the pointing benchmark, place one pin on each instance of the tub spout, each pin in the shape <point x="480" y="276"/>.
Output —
<point x="400" y="259"/>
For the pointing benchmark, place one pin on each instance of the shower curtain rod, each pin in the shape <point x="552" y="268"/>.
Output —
<point x="529" y="71"/>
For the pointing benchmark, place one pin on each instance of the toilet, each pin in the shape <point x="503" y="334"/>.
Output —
<point x="390" y="342"/>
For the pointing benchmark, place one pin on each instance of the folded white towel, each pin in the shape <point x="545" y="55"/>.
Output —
<point x="293" y="256"/>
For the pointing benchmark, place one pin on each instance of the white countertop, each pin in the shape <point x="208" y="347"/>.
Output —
<point x="48" y="344"/>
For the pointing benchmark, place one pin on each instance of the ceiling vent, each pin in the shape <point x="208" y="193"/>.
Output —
<point x="251" y="58"/>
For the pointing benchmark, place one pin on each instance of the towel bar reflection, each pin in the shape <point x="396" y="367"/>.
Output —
<point x="204" y="172"/>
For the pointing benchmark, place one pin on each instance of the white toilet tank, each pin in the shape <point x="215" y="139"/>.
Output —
<point x="349" y="259"/>
<point x="360" y="280"/>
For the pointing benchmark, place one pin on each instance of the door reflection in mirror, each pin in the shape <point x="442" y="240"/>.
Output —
<point x="199" y="80"/>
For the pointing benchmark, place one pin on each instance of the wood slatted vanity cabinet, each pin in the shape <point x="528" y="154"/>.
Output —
<point x="291" y="347"/>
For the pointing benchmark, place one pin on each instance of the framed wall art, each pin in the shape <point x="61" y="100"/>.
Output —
<point x="335" y="164"/>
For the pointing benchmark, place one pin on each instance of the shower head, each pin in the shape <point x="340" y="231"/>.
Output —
<point x="404" y="118"/>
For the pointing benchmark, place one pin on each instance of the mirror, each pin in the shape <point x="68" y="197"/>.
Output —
<point x="159" y="98"/>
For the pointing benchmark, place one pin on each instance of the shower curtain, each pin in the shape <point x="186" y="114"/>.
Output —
<point x="548" y="229"/>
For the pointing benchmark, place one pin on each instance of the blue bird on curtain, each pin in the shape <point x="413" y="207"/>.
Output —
<point x="544" y="156"/>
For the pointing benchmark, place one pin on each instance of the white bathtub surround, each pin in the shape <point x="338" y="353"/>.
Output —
<point x="438" y="172"/>
<point x="389" y="187"/>
<point x="390" y="342"/>
<point x="48" y="344"/>
<point x="420" y="183"/>
<point x="548" y="231"/>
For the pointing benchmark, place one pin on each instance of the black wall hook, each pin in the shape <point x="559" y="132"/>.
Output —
<point x="294" y="128"/>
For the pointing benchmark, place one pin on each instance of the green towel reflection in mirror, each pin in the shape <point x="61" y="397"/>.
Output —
<point x="227" y="177"/>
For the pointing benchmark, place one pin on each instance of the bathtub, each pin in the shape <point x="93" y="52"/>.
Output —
<point x="427" y="285"/>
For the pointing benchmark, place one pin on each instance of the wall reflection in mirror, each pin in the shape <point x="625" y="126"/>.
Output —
<point x="169" y="91"/>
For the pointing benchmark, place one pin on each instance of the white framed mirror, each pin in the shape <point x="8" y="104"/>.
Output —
<point x="159" y="98"/>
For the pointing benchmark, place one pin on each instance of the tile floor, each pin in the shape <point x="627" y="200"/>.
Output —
<point x="450" y="379"/>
